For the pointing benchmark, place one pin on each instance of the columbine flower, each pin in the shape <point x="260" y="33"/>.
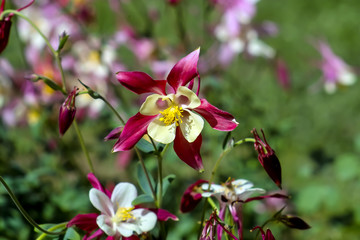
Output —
<point x="118" y="216"/>
<point x="5" y="25"/>
<point x="67" y="112"/>
<point x="192" y="196"/>
<point x="173" y="116"/>
<point x="88" y="222"/>
<point x="335" y="70"/>
<point x="267" y="158"/>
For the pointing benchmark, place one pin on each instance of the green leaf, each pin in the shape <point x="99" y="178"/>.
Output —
<point x="71" y="234"/>
<point x="143" y="198"/>
<point x="143" y="181"/>
<point x="166" y="182"/>
<point x="145" y="146"/>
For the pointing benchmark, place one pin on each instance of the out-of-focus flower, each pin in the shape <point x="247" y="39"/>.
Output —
<point x="265" y="236"/>
<point x="173" y="2"/>
<point x="232" y="191"/>
<point x="292" y="221"/>
<point x="335" y="70"/>
<point x="5" y="25"/>
<point x="282" y="74"/>
<point x="67" y="112"/>
<point x="267" y="158"/>
<point x="118" y="218"/>
<point x="191" y="197"/>
<point x="173" y="116"/>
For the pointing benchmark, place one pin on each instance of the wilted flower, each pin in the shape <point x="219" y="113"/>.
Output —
<point x="267" y="158"/>
<point x="335" y="70"/>
<point x="67" y="112"/>
<point x="5" y="25"/>
<point x="174" y="116"/>
<point x="293" y="222"/>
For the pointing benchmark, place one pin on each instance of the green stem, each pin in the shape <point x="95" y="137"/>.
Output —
<point x="146" y="172"/>
<point x="252" y="140"/>
<point x="160" y="177"/>
<point x="81" y="140"/>
<point x="54" y="52"/>
<point x="24" y="213"/>
<point x="113" y="110"/>
<point x="58" y="226"/>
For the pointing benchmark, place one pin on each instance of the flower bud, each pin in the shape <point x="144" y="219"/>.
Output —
<point x="293" y="222"/>
<point x="267" y="158"/>
<point x="67" y="112"/>
<point x="191" y="197"/>
<point x="5" y="26"/>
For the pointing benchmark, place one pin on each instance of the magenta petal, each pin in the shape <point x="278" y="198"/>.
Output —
<point x="114" y="134"/>
<point x="139" y="82"/>
<point x="97" y="185"/>
<point x="190" y="199"/>
<point x="86" y="222"/>
<point x="163" y="215"/>
<point x="218" y="119"/>
<point x="133" y="131"/>
<point x="184" y="71"/>
<point x="133" y="237"/>
<point x="95" y="235"/>
<point x="188" y="152"/>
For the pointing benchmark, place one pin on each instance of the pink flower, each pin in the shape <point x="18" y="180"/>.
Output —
<point x="173" y="115"/>
<point x="191" y="196"/>
<point x="265" y="236"/>
<point x="335" y="70"/>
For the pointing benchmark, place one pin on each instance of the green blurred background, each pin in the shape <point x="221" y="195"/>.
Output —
<point x="315" y="135"/>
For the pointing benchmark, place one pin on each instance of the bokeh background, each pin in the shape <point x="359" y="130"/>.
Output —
<point x="316" y="135"/>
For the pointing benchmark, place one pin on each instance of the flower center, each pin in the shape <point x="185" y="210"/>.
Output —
<point x="172" y="114"/>
<point x="123" y="214"/>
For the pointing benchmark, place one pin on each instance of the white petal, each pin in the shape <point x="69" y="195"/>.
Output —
<point x="146" y="220"/>
<point x="191" y="126"/>
<point x="150" y="106"/>
<point x="241" y="185"/>
<point x="245" y="195"/>
<point x="158" y="131"/>
<point x="126" y="229"/>
<point x="186" y="98"/>
<point x="123" y="194"/>
<point x="101" y="202"/>
<point x="346" y="77"/>
<point x="105" y="224"/>
<point x="214" y="189"/>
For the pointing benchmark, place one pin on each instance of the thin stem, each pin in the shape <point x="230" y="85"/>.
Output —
<point x="160" y="189"/>
<point x="58" y="226"/>
<point x="24" y="213"/>
<point x="58" y="62"/>
<point x="252" y="140"/>
<point x="32" y="24"/>
<point x="83" y="147"/>
<point x="113" y="110"/>
<point x="146" y="172"/>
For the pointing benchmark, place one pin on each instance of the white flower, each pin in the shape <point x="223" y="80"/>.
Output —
<point x="237" y="190"/>
<point x="118" y="215"/>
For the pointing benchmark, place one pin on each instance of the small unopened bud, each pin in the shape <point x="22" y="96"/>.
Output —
<point x="293" y="222"/>
<point x="67" y="112"/>
<point x="267" y="158"/>
<point x="5" y="26"/>
<point x="62" y="40"/>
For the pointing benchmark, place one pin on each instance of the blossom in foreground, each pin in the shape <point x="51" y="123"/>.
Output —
<point x="267" y="158"/>
<point x="67" y="112"/>
<point x="118" y="216"/>
<point x="5" y="25"/>
<point x="88" y="222"/>
<point x="173" y="114"/>
<point x="335" y="70"/>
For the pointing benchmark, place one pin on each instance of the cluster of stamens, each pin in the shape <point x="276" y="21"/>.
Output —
<point x="172" y="114"/>
<point x="123" y="214"/>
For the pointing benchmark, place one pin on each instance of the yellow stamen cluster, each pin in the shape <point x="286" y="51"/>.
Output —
<point x="123" y="214"/>
<point x="172" y="114"/>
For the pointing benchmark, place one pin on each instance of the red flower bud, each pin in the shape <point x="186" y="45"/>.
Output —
<point x="191" y="197"/>
<point x="267" y="158"/>
<point x="67" y="112"/>
<point x="293" y="222"/>
<point x="5" y="26"/>
<point x="265" y="236"/>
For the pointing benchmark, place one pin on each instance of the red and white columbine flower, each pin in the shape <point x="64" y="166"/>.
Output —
<point x="172" y="115"/>
<point x="118" y="216"/>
